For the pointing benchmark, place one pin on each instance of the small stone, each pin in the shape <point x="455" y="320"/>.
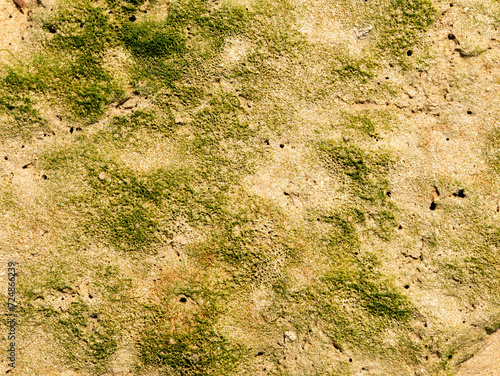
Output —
<point x="102" y="175"/>
<point x="290" y="336"/>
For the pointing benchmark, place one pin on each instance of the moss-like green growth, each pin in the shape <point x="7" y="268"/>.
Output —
<point x="343" y="235"/>
<point x="402" y="24"/>
<point x="169" y="50"/>
<point x="82" y="27"/>
<point x="196" y="351"/>
<point x="492" y="149"/>
<point x="134" y="212"/>
<point x="361" y="70"/>
<point x="124" y="8"/>
<point x="223" y="140"/>
<point x="180" y="341"/>
<point x="130" y="131"/>
<point x="377" y="298"/>
<point x="353" y="299"/>
<point x="69" y="69"/>
<point x="153" y="39"/>
<point x="356" y="306"/>
<point x="23" y="119"/>
<point x="366" y="171"/>
<point x="191" y="203"/>
<point x="362" y="123"/>
<point x="87" y="337"/>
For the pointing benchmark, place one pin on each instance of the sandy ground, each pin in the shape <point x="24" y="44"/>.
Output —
<point x="486" y="362"/>
<point x="431" y="146"/>
<point x="15" y="27"/>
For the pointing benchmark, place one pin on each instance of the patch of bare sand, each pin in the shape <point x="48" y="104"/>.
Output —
<point x="15" y="28"/>
<point x="486" y="361"/>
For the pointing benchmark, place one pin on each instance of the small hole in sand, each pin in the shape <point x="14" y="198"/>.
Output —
<point x="433" y="205"/>
<point x="183" y="300"/>
<point x="407" y="287"/>
<point x="282" y="146"/>
<point x="460" y="193"/>
<point x="409" y="53"/>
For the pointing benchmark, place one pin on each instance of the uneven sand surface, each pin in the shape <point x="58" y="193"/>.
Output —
<point x="486" y="362"/>
<point x="437" y="138"/>
<point x="14" y="27"/>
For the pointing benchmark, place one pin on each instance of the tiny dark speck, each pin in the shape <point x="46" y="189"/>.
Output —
<point x="469" y="112"/>
<point x="282" y="146"/>
<point x="132" y="18"/>
<point x="183" y="300"/>
<point x="433" y="205"/>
